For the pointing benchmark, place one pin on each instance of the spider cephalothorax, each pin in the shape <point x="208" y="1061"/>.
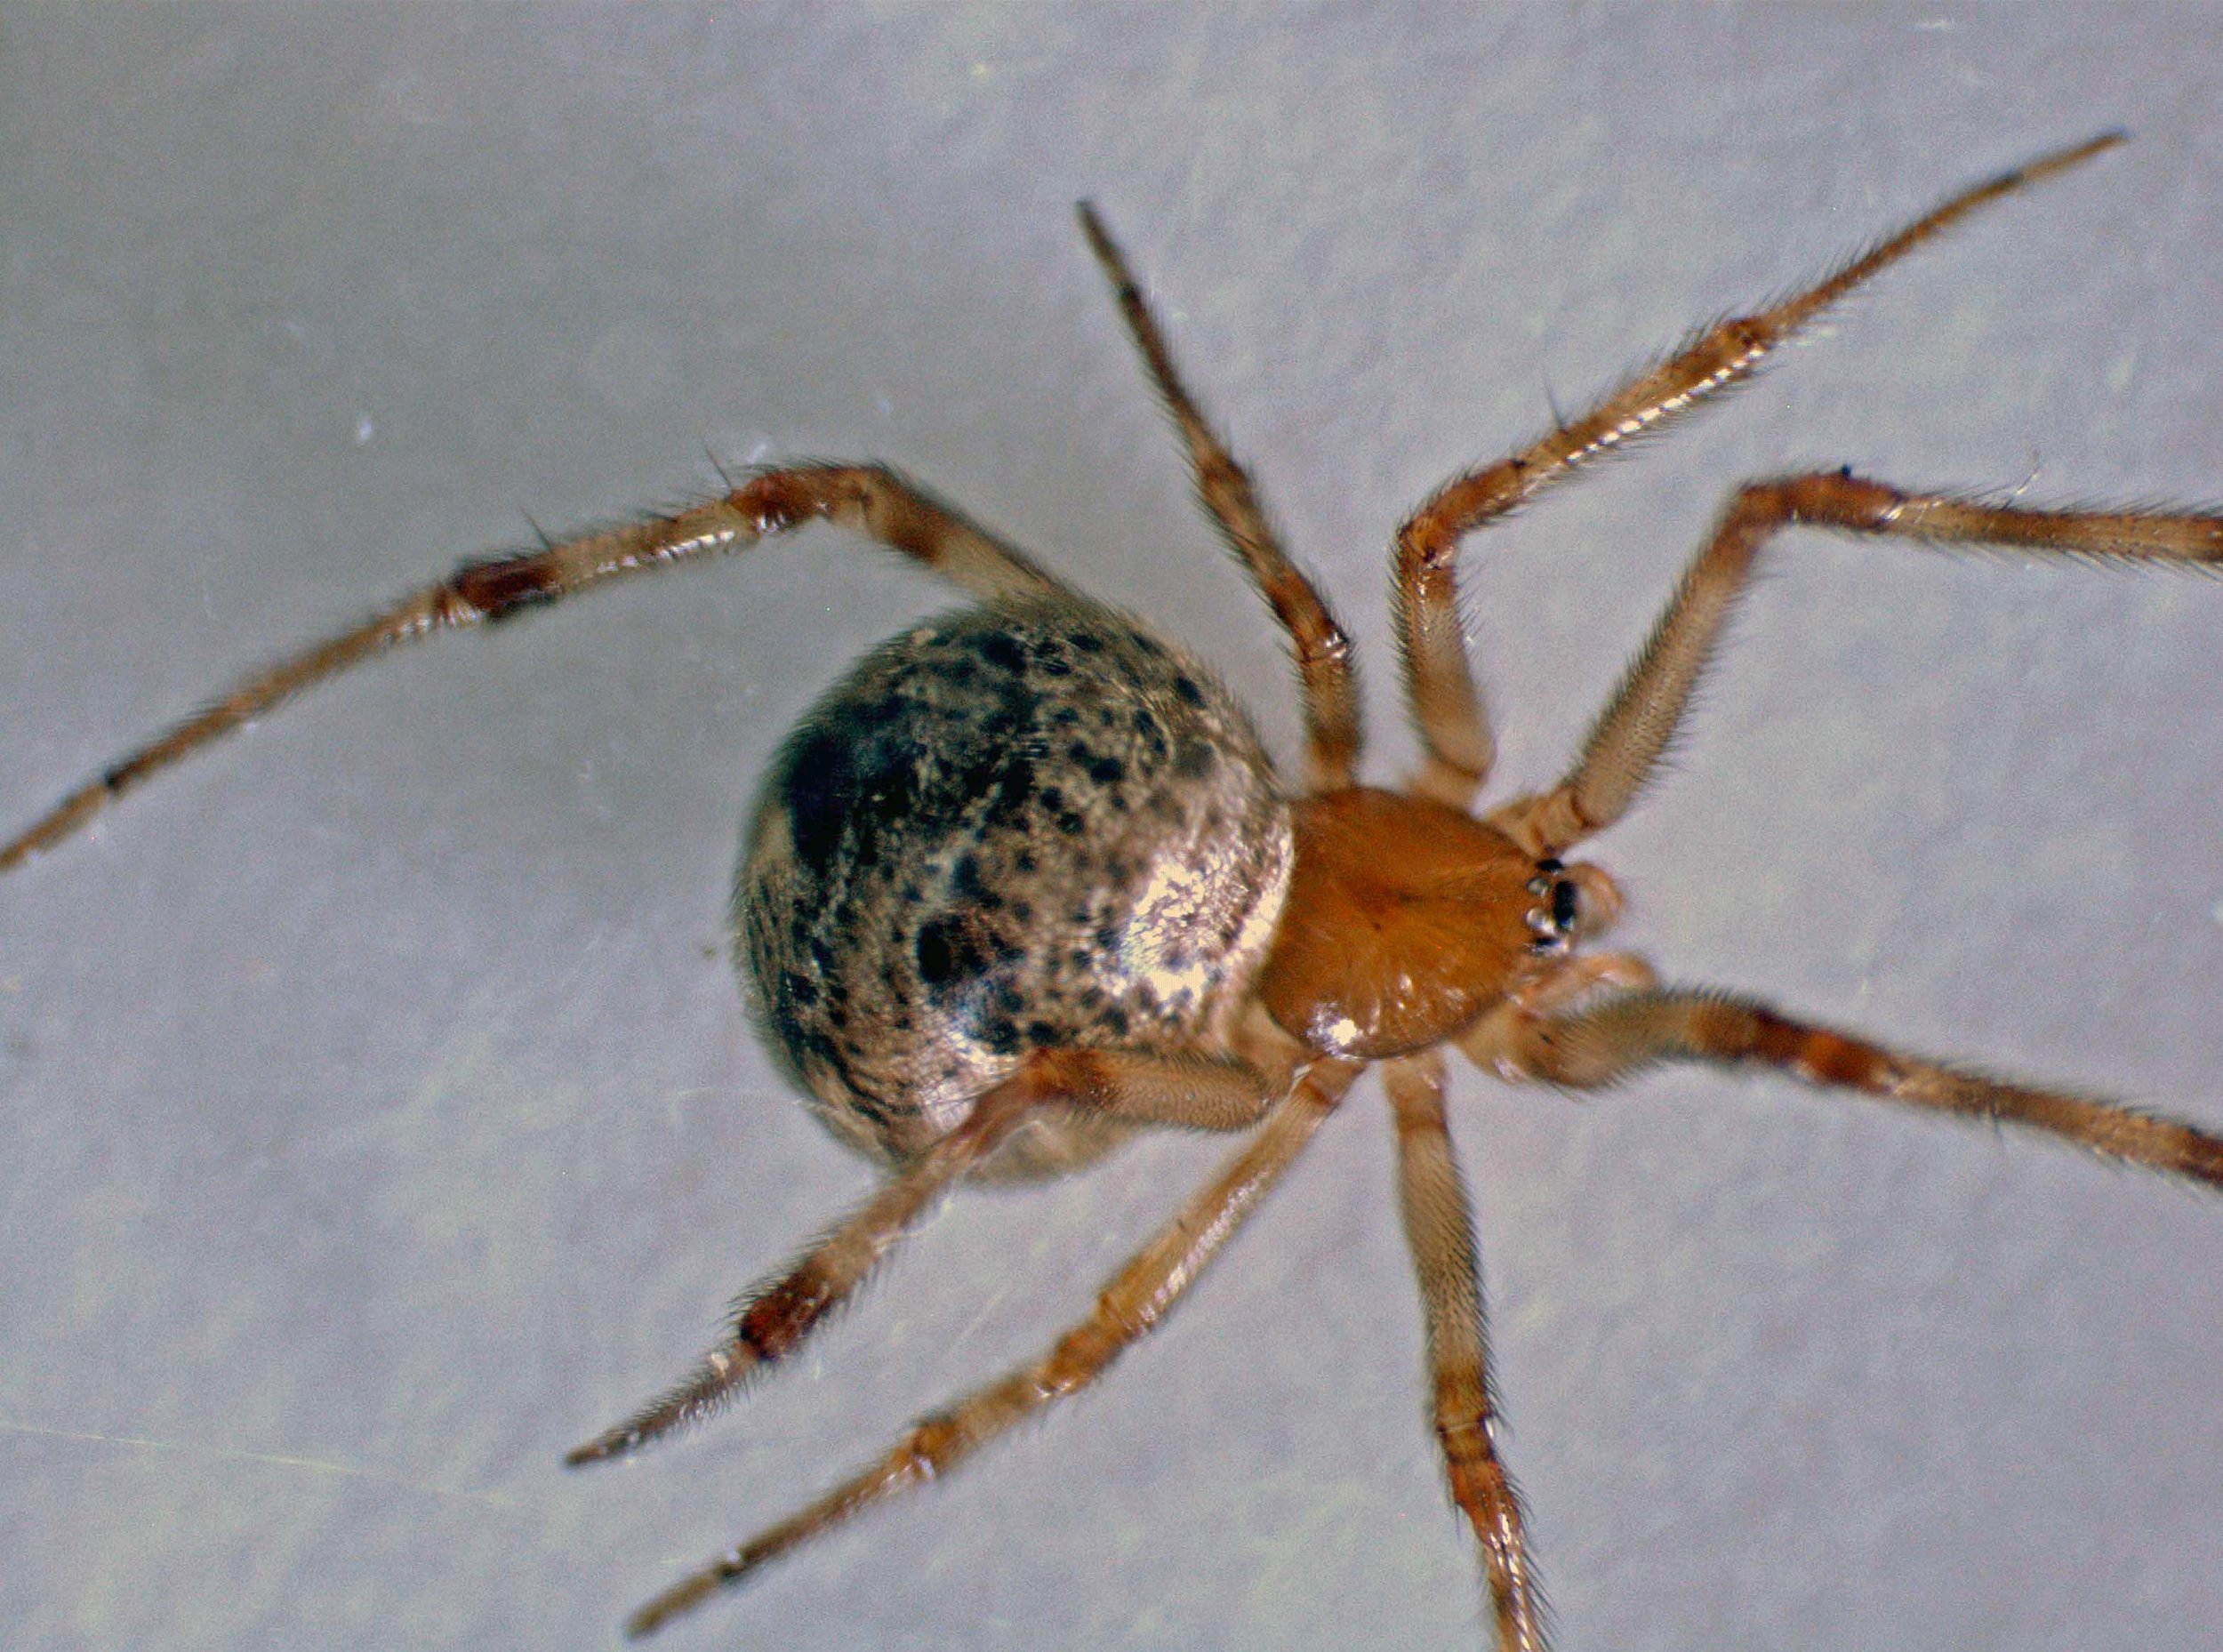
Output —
<point x="1025" y="882"/>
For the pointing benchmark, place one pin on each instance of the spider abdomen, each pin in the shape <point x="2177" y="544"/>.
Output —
<point x="1028" y="825"/>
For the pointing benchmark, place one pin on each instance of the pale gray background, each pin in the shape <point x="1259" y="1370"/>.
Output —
<point x="380" y="1114"/>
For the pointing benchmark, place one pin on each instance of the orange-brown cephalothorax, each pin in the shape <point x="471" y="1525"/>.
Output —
<point x="1406" y="920"/>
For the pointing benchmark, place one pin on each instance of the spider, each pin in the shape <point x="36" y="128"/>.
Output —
<point x="1025" y="882"/>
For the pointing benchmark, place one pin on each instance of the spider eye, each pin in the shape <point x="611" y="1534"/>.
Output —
<point x="1552" y="920"/>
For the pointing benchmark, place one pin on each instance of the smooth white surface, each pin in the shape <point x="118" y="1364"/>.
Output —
<point x="380" y="1115"/>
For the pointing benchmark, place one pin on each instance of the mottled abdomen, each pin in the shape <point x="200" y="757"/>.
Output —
<point x="1022" y="826"/>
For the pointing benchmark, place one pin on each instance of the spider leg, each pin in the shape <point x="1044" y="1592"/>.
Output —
<point x="1130" y="1305"/>
<point x="1608" y="1041"/>
<point x="1446" y="708"/>
<point x="1440" y="1232"/>
<point x="1323" y="650"/>
<point x="867" y="500"/>
<point x="772" y="1317"/>
<point x="1641" y="718"/>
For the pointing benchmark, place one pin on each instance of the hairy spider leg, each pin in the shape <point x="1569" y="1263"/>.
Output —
<point x="1606" y="1042"/>
<point x="1447" y="707"/>
<point x="774" y="1316"/>
<point x="1433" y="1198"/>
<point x="1625" y="745"/>
<point x="1132" y="1303"/>
<point x="866" y="499"/>
<point x="1332" y="734"/>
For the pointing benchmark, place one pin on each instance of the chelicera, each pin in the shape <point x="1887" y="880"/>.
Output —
<point x="1026" y="882"/>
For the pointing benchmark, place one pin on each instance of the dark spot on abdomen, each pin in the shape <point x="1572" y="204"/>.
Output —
<point x="949" y="953"/>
